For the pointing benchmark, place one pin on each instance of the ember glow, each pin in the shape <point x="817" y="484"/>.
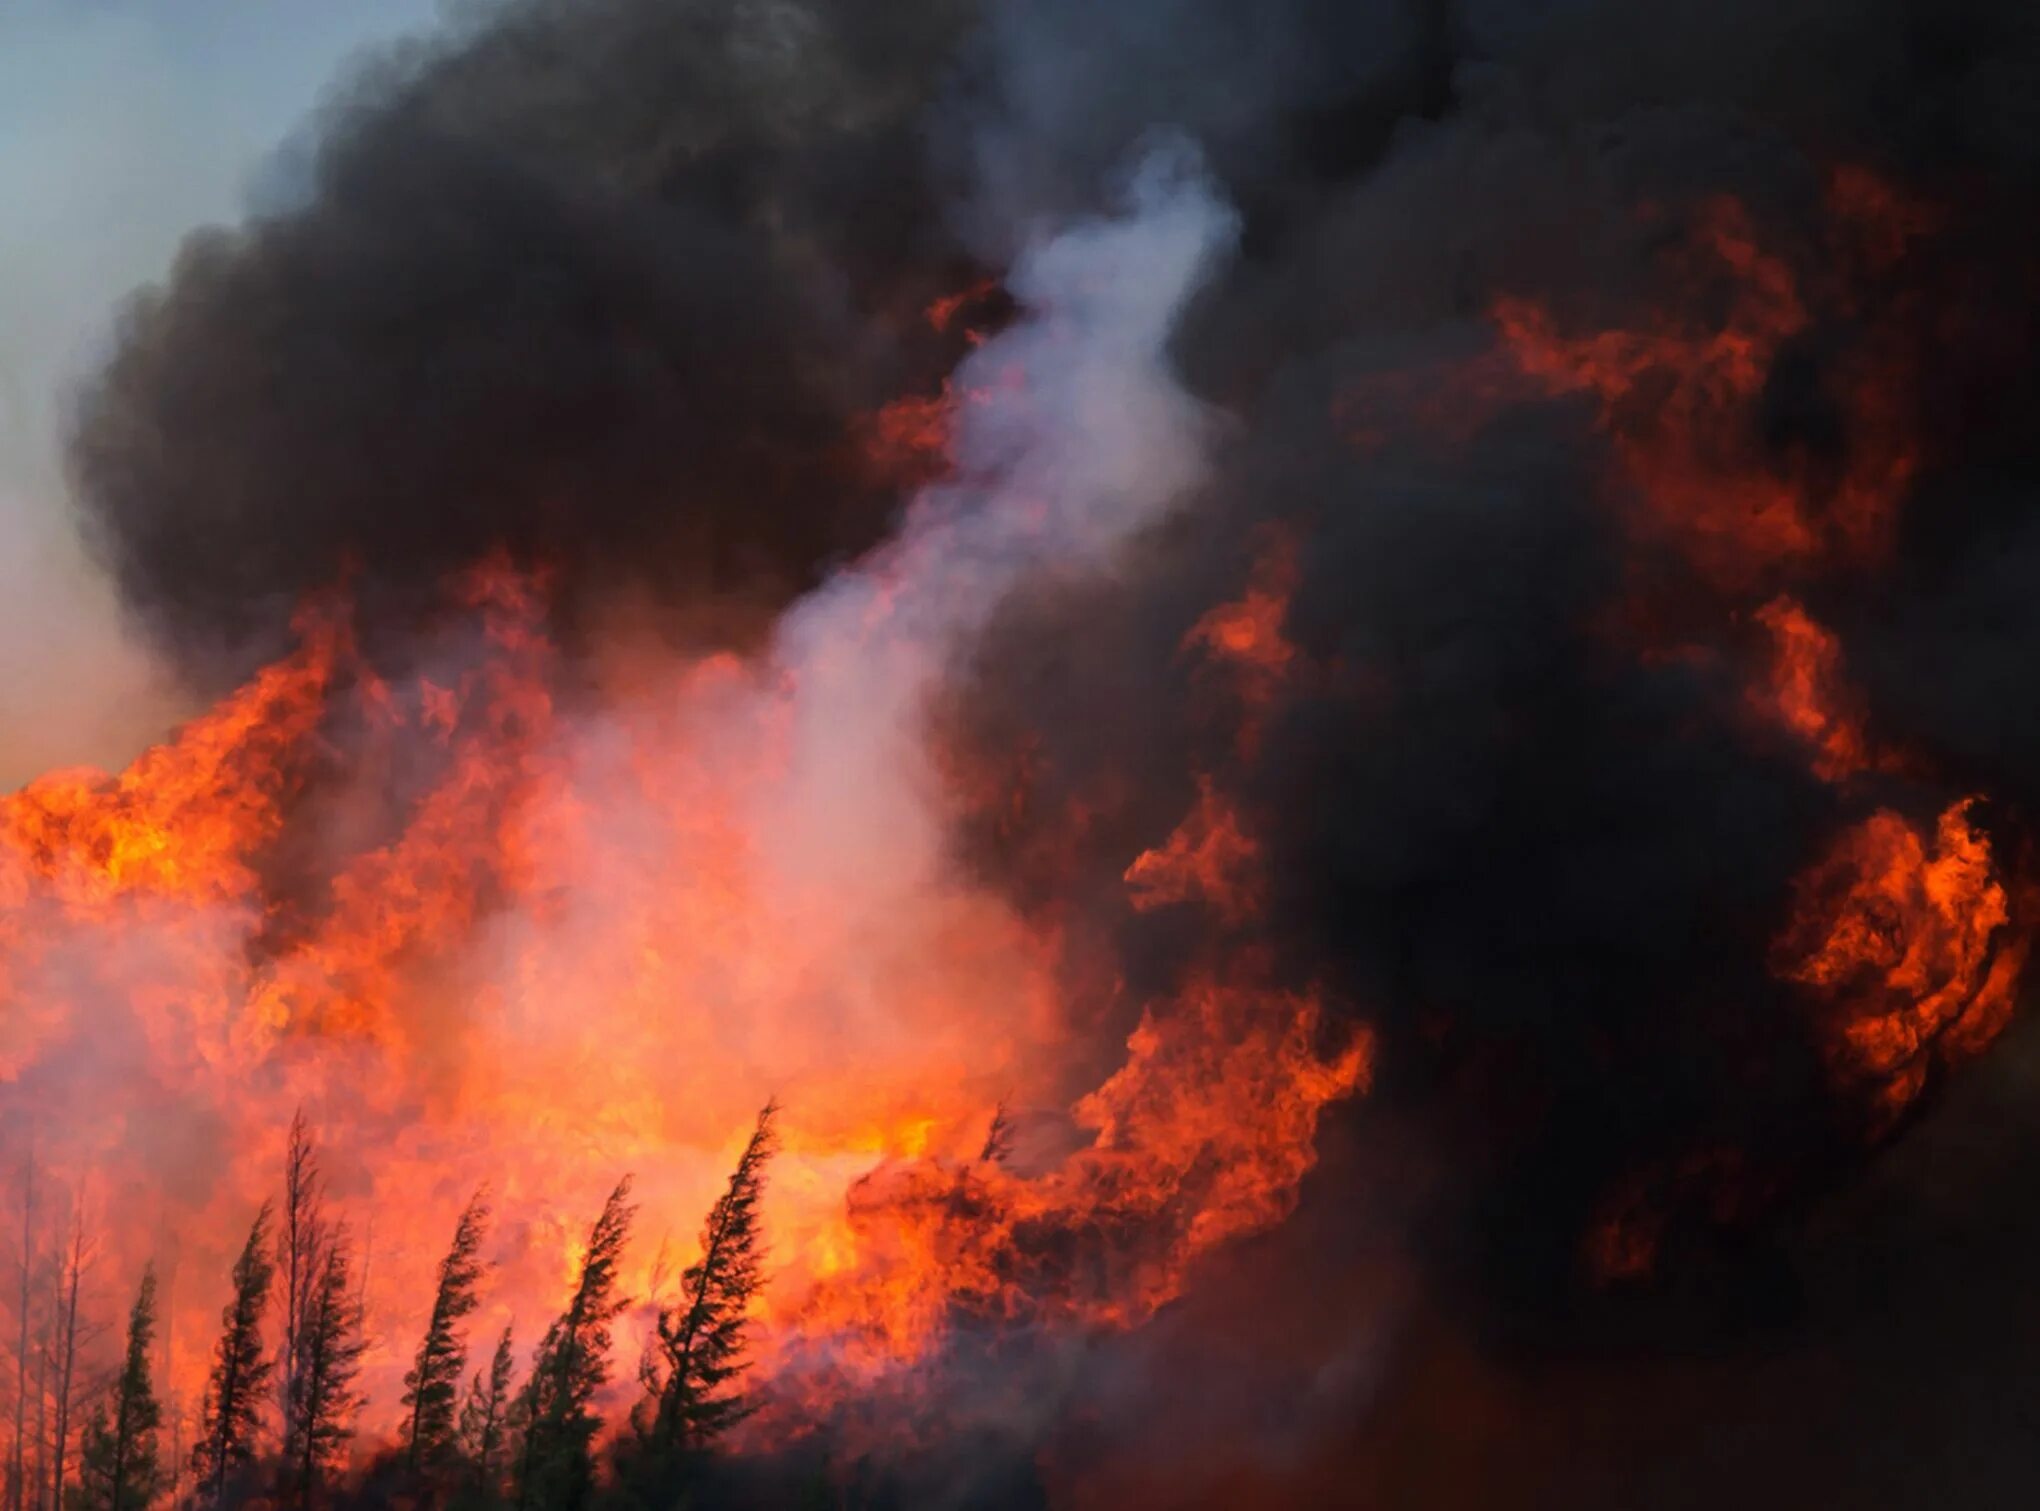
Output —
<point x="1340" y="750"/>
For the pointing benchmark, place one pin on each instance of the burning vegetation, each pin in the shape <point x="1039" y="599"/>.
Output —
<point x="1389" y="689"/>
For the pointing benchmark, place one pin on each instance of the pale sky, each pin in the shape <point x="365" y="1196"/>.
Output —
<point x="123" y="124"/>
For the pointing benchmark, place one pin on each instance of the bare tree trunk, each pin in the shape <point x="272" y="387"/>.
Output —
<point x="175" y="1406"/>
<point x="299" y="1241"/>
<point x="17" y="1468"/>
<point x="42" y="1418"/>
<point x="70" y="1279"/>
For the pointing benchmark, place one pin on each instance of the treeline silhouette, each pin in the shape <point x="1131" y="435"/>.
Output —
<point x="279" y="1416"/>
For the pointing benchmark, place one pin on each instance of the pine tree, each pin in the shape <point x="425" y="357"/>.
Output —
<point x="998" y="1145"/>
<point x="556" y="1466"/>
<point x="329" y="1358"/>
<point x="701" y="1340"/>
<point x="119" y="1464"/>
<point x="232" y="1416"/>
<point x="432" y="1387"/>
<point x="300" y="1259"/>
<point x="485" y="1426"/>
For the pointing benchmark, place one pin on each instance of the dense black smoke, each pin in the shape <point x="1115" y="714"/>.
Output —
<point x="1546" y="866"/>
<point x="613" y="284"/>
<point x="619" y="285"/>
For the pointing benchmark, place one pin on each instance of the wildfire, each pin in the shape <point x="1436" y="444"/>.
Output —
<point x="536" y="955"/>
<point x="490" y="928"/>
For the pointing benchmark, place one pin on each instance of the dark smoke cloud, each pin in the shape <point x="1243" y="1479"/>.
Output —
<point x="611" y="283"/>
<point x="1547" y="869"/>
<point x="1056" y="95"/>
<point x="619" y="285"/>
<point x="1500" y="837"/>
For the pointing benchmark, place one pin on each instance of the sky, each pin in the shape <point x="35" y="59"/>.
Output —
<point x="124" y="124"/>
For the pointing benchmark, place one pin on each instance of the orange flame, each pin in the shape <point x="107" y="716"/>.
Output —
<point x="492" y="942"/>
<point x="1904" y="946"/>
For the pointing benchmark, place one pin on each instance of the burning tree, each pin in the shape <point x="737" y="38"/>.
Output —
<point x="555" y="1463"/>
<point x="120" y="1466"/>
<point x="432" y="1386"/>
<point x="329" y="1358"/>
<point x="300" y="1256"/>
<point x="485" y="1428"/>
<point x="231" y="1421"/>
<point x="701" y="1341"/>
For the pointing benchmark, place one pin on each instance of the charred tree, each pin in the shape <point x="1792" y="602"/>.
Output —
<point x="432" y="1387"/>
<point x="231" y="1419"/>
<point x="701" y="1340"/>
<point x="555" y="1464"/>
<point x="119" y="1463"/>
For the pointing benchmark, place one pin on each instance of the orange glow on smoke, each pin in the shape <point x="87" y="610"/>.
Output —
<point x="1677" y="395"/>
<point x="1247" y="634"/>
<point x="1625" y="1241"/>
<point x="950" y="309"/>
<point x="1806" y="692"/>
<point x="1245" y="642"/>
<point x="1906" y="943"/>
<point x="908" y="439"/>
<point x="1208" y="857"/>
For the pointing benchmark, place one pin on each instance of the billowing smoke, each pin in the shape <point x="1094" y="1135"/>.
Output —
<point x="1470" y="551"/>
<point x="614" y="284"/>
<point x="1510" y="801"/>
